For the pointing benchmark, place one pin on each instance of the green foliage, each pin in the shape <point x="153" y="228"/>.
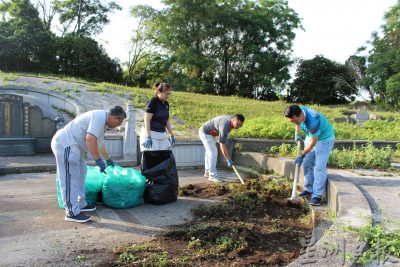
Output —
<point x="83" y="57"/>
<point x="81" y="258"/>
<point x="366" y="157"/>
<point x="85" y="17"/>
<point x="322" y="81"/>
<point x="195" y="243"/>
<point x="28" y="45"/>
<point x="150" y="69"/>
<point x="263" y="119"/>
<point x="229" y="243"/>
<point x="25" y="43"/>
<point x="384" y="59"/>
<point x="396" y="153"/>
<point x="393" y="89"/>
<point x="8" y="76"/>
<point x="357" y="66"/>
<point x="287" y="150"/>
<point x="239" y="205"/>
<point x="381" y="243"/>
<point x="226" y="48"/>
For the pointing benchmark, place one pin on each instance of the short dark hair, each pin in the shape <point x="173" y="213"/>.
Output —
<point x="293" y="110"/>
<point x="118" y="112"/>
<point x="161" y="87"/>
<point x="239" y="117"/>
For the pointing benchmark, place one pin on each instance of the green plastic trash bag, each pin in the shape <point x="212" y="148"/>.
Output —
<point x="93" y="185"/>
<point x="123" y="187"/>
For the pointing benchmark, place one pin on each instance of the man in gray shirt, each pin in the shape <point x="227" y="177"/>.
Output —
<point x="70" y="146"/>
<point x="217" y="127"/>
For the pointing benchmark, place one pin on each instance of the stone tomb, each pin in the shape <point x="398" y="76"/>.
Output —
<point x="26" y="127"/>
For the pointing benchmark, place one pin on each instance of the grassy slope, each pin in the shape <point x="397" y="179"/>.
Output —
<point x="263" y="119"/>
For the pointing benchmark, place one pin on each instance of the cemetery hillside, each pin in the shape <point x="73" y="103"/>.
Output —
<point x="185" y="133"/>
<point x="264" y="119"/>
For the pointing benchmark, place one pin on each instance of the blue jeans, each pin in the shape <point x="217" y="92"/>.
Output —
<point x="211" y="155"/>
<point x="314" y="165"/>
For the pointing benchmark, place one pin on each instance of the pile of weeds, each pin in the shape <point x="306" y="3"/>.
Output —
<point x="252" y="224"/>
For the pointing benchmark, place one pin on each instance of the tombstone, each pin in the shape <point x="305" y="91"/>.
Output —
<point x="375" y="117"/>
<point x="361" y="117"/>
<point x="130" y="142"/>
<point x="340" y="120"/>
<point x="351" y="119"/>
<point x="24" y="129"/>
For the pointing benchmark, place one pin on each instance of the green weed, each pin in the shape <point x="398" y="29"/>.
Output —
<point x="8" y="76"/>
<point x="229" y="243"/>
<point x="380" y="243"/>
<point x="81" y="258"/>
<point x="365" y="157"/>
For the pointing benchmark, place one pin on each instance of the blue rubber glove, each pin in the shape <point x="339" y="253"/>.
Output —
<point x="172" y="140"/>
<point x="102" y="165"/>
<point x="299" y="160"/>
<point x="110" y="162"/>
<point x="298" y="137"/>
<point x="148" y="143"/>
<point x="229" y="163"/>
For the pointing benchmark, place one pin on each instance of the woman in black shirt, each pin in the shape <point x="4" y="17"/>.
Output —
<point x="154" y="134"/>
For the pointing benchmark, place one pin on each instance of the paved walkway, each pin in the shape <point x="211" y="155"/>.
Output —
<point x="33" y="231"/>
<point x="382" y="191"/>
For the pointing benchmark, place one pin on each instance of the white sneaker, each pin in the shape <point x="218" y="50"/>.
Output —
<point x="206" y="174"/>
<point x="215" y="179"/>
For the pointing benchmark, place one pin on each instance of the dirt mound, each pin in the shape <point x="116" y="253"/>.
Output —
<point x="252" y="225"/>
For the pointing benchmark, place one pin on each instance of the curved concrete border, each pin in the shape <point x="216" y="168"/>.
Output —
<point x="46" y="96"/>
<point x="338" y="246"/>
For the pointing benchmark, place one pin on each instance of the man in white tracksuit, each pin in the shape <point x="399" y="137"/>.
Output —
<point x="70" y="146"/>
<point x="217" y="127"/>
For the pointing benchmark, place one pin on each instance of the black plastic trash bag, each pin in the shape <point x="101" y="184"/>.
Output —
<point x="159" y="168"/>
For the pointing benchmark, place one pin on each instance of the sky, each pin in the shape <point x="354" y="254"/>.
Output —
<point x="332" y="28"/>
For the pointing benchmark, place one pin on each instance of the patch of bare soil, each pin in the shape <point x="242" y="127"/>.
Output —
<point x="253" y="225"/>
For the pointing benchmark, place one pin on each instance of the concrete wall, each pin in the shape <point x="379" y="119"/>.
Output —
<point x="187" y="154"/>
<point x="283" y="166"/>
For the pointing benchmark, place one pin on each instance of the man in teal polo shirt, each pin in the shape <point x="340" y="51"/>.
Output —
<point x="317" y="148"/>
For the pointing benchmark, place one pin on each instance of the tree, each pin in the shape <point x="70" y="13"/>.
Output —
<point x="234" y="47"/>
<point x="83" y="57"/>
<point x="142" y="39"/>
<point x="358" y="67"/>
<point x="48" y="10"/>
<point x="151" y="69"/>
<point x="85" y="17"/>
<point x="322" y="81"/>
<point x="25" y="44"/>
<point x="384" y="59"/>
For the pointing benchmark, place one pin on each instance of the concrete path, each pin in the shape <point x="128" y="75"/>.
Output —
<point x="382" y="191"/>
<point x="33" y="231"/>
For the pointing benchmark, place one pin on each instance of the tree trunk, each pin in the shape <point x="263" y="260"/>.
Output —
<point x="226" y="66"/>
<point x="79" y="17"/>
